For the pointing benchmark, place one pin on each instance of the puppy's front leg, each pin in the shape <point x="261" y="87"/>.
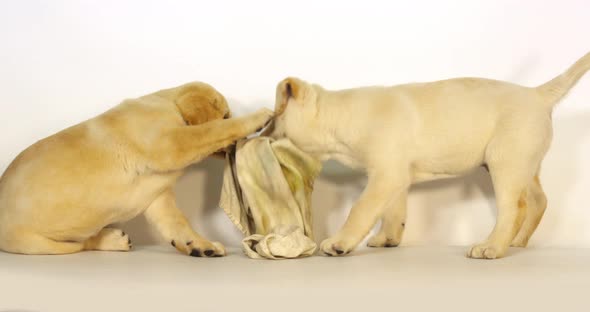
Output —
<point x="182" y="146"/>
<point x="174" y="228"/>
<point x="379" y="193"/>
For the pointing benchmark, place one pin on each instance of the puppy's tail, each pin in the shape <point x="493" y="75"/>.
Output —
<point x="555" y="89"/>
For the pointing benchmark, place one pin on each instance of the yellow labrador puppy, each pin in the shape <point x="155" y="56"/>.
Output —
<point x="423" y="131"/>
<point x="60" y="194"/>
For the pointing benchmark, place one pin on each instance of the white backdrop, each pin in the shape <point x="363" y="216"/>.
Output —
<point x="62" y="62"/>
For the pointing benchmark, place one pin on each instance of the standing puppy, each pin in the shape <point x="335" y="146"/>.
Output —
<point x="58" y="196"/>
<point x="423" y="131"/>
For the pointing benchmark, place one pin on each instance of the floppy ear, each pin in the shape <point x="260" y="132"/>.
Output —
<point x="196" y="108"/>
<point x="289" y="88"/>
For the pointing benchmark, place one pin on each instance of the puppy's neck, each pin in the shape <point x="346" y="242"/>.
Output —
<point x="334" y="126"/>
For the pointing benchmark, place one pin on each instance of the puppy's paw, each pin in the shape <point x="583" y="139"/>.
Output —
<point x="199" y="248"/>
<point x="265" y="114"/>
<point x="109" y="239"/>
<point x="261" y="118"/>
<point x="485" y="251"/>
<point x="335" y="246"/>
<point x="381" y="240"/>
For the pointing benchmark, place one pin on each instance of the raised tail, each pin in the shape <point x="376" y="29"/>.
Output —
<point x="555" y="89"/>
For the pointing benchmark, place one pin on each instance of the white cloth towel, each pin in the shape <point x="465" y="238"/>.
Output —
<point x="266" y="193"/>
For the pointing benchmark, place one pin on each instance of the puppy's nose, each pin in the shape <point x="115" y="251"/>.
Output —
<point x="227" y="115"/>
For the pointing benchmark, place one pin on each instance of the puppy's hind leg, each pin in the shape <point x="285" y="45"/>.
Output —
<point x="393" y="224"/>
<point x="514" y="157"/>
<point x="510" y="185"/>
<point x="34" y="244"/>
<point x="536" y="203"/>
<point x="109" y="239"/>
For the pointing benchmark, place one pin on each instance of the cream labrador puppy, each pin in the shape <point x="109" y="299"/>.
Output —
<point x="60" y="194"/>
<point x="423" y="131"/>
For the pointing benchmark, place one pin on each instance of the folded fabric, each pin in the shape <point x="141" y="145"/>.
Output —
<point x="266" y="193"/>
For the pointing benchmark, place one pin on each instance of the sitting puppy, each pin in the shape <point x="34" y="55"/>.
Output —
<point x="423" y="131"/>
<point x="60" y="194"/>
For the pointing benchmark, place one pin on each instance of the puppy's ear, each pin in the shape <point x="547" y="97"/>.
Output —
<point x="289" y="88"/>
<point x="196" y="108"/>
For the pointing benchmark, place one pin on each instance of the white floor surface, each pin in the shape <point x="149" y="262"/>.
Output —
<point x="157" y="278"/>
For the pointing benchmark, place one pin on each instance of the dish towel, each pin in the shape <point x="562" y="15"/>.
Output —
<point x="266" y="193"/>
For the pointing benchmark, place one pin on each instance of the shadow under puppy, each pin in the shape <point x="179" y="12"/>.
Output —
<point x="423" y="131"/>
<point x="60" y="194"/>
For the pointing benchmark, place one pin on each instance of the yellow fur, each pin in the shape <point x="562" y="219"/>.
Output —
<point x="422" y="131"/>
<point x="59" y="194"/>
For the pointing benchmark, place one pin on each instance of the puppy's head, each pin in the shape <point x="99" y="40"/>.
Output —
<point x="295" y="111"/>
<point x="199" y="103"/>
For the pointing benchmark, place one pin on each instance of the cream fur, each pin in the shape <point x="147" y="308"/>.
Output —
<point x="423" y="131"/>
<point x="59" y="195"/>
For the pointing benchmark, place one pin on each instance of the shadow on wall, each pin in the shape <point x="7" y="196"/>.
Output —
<point x="453" y="211"/>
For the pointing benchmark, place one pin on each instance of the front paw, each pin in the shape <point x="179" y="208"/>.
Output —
<point x="261" y="118"/>
<point x="336" y="246"/>
<point x="199" y="248"/>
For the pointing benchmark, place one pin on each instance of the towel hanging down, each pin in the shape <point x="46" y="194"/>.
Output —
<point x="266" y="193"/>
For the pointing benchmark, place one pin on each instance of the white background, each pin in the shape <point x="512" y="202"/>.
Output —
<point x="62" y="62"/>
